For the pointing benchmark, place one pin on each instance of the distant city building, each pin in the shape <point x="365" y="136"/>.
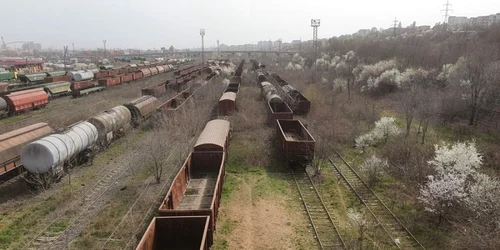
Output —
<point x="32" y="46"/>
<point x="363" y="32"/>
<point x="483" y="21"/>
<point x="423" y="27"/>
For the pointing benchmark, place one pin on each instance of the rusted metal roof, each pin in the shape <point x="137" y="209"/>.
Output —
<point x="215" y="133"/>
<point x="12" y="142"/>
<point x="231" y="96"/>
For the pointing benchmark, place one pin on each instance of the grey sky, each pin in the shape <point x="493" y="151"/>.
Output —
<point x="156" y="23"/>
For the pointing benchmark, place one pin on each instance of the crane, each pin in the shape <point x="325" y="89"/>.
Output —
<point x="4" y="46"/>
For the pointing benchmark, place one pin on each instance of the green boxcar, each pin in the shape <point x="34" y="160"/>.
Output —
<point x="6" y="76"/>
<point x="57" y="89"/>
<point x="32" y="78"/>
<point x="56" y="73"/>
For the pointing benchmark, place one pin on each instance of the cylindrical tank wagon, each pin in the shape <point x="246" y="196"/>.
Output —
<point x="48" y="156"/>
<point x="111" y="123"/>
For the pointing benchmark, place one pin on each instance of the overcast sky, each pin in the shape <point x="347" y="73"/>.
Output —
<point x="156" y="23"/>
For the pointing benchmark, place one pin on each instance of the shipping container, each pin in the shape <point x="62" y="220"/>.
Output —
<point x="196" y="189"/>
<point x="177" y="233"/>
<point x="296" y="143"/>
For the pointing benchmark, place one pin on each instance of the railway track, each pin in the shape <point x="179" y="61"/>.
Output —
<point x="52" y="233"/>
<point x="322" y="222"/>
<point x="400" y="236"/>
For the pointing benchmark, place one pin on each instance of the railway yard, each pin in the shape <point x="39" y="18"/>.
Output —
<point x="225" y="156"/>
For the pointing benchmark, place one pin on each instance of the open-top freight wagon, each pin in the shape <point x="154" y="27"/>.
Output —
<point x="296" y="143"/>
<point x="177" y="232"/>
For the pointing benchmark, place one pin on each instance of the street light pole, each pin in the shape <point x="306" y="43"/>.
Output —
<point x="202" y="33"/>
<point x="315" y="24"/>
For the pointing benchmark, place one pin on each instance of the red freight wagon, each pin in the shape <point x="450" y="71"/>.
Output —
<point x="123" y="71"/>
<point x="113" y="72"/>
<point x="279" y="111"/>
<point x="82" y="85"/>
<point x="27" y="99"/>
<point x="110" y="81"/>
<point x="296" y="142"/>
<point x="126" y="78"/>
<point x="227" y="103"/>
<point x="11" y="144"/>
<point x="137" y="75"/>
<point x="177" y="232"/>
<point x="160" y="69"/>
<point x="50" y="79"/>
<point x="196" y="189"/>
<point x="101" y="74"/>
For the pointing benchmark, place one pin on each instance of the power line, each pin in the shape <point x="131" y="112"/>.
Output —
<point x="446" y="10"/>
<point x="395" y="25"/>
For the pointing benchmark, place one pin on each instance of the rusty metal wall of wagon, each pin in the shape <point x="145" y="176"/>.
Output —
<point x="82" y="85"/>
<point x="12" y="142"/>
<point x="109" y="81"/>
<point x="126" y="78"/>
<point x="160" y="69"/>
<point x="214" y="137"/>
<point x="279" y="111"/>
<point x="146" y="72"/>
<point x="123" y="71"/>
<point x="113" y="73"/>
<point x="141" y="107"/>
<point x="177" y="232"/>
<point x="137" y="75"/>
<point x="26" y="99"/>
<point x="227" y="103"/>
<point x="233" y="87"/>
<point x="101" y="74"/>
<point x="50" y="79"/>
<point x="297" y="144"/>
<point x="156" y="91"/>
<point x="298" y="103"/>
<point x="200" y="171"/>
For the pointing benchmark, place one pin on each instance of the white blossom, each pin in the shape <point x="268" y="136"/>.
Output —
<point x="484" y="195"/>
<point x="384" y="128"/>
<point x="441" y="193"/>
<point x="373" y="70"/>
<point x="460" y="158"/>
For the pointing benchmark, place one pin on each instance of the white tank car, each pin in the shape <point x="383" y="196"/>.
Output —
<point x="50" y="153"/>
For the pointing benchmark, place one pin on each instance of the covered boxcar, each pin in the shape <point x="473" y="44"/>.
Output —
<point x="214" y="137"/>
<point x="227" y="103"/>
<point x="196" y="189"/>
<point x="146" y="72"/>
<point x="177" y="232"/>
<point x="109" y="81"/>
<point x="233" y="87"/>
<point x="26" y="100"/>
<point x="154" y="71"/>
<point x="126" y="78"/>
<point x="141" y="108"/>
<point x="137" y="75"/>
<point x="111" y="123"/>
<point x="11" y="144"/>
<point x="296" y="143"/>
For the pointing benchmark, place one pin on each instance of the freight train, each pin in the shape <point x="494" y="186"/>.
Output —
<point x="76" y="83"/>
<point x="45" y="157"/>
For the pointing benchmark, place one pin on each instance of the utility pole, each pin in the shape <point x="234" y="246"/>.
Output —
<point x="218" y="49"/>
<point x="446" y="10"/>
<point x="315" y="24"/>
<point x="202" y="34"/>
<point x="65" y="52"/>
<point x="395" y="25"/>
<point x="104" y="42"/>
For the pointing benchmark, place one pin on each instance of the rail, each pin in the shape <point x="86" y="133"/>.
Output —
<point x="376" y="196"/>
<point x="309" y="212"/>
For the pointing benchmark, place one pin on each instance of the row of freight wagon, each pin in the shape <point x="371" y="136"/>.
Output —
<point x="186" y="218"/>
<point x="187" y="215"/>
<point x="43" y="154"/>
<point x="21" y="101"/>
<point x="227" y="102"/>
